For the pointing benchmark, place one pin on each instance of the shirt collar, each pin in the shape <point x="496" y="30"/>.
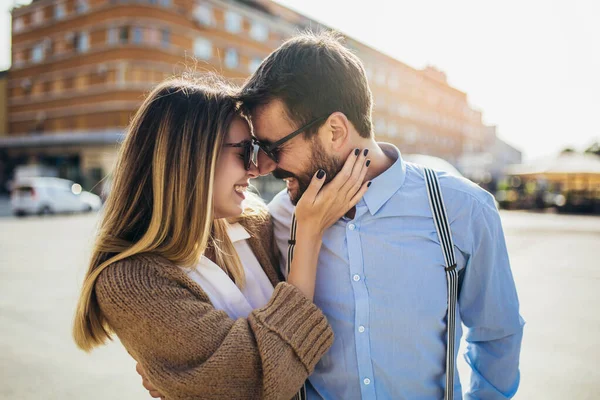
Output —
<point x="237" y="232"/>
<point x="389" y="182"/>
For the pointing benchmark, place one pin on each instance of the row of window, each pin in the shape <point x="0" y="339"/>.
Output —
<point x="432" y="118"/>
<point x="203" y="49"/>
<point x="234" y="22"/>
<point x="59" y="12"/>
<point x="431" y="95"/>
<point x="410" y="134"/>
<point x="80" y="42"/>
<point x="138" y="35"/>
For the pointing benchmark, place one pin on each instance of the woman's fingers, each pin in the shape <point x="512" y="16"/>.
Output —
<point x="346" y="172"/>
<point x="316" y="183"/>
<point x="357" y="176"/>
<point x="361" y="192"/>
<point x="359" y="171"/>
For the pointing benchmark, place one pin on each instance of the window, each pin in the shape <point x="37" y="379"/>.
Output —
<point x="18" y="24"/>
<point x="26" y="85"/>
<point x="81" y="42"/>
<point x="203" y="48"/>
<point x="259" y="31"/>
<point x="231" y="58"/>
<point x="165" y="37"/>
<point x="254" y="64"/>
<point x="19" y="59"/>
<point x="204" y="15"/>
<point x="82" y="6"/>
<point x="112" y="36"/>
<point x="37" y="54"/>
<point x="137" y="35"/>
<point x="59" y="11"/>
<point x="233" y="22"/>
<point x="123" y="35"/>
<point x="38" y="16"/>
<point x="380" y="77"/>
<point x="165" y="3"/>
<point x="393" y="82"/>
<point x="152" y="36"/>
<point x="410" y="136"/>
<point x="369" y="72"/>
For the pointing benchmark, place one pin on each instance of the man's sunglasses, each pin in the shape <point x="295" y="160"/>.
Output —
<point x="251" y="147"/>
<point x="272" y="150"/>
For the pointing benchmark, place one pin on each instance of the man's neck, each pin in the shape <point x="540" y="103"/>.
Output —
<point x="380" y="161"/>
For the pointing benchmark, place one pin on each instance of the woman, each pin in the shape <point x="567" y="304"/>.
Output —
<point x="164" y="274"/>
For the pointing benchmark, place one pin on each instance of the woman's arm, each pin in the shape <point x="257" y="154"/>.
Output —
<point x="190" y="350"/>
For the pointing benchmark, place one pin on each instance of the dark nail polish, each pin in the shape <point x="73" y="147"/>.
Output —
<point x="356" y="152"/>
<point x="366" y="152"/>
<point x="320" y="174"/>
<point x="369" y="184"/>
<point x="368" y="162"/>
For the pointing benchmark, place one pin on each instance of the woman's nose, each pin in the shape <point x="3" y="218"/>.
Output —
<point x="253" y="171"/>
<point x="265" y="164"/>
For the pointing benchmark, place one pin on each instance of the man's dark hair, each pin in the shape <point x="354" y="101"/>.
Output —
<point x="314" y="75"/>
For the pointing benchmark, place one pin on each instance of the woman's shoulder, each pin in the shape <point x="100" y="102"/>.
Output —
<point x="141" y="273"/>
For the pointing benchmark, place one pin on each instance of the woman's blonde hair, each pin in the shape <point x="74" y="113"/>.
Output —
<point x="161" y="201"/>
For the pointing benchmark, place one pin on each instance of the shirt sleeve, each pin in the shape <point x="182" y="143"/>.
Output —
<point x="282" y="210"/>
<point x="489" y="309"/>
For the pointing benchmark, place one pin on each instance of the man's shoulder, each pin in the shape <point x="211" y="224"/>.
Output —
<point x="281" y="207"/>
<point x="455" y="189"/>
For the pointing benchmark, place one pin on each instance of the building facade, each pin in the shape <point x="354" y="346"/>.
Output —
<point x="80" y="68"/>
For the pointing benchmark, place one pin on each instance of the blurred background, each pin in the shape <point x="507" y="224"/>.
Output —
<point x="503" y="93"/>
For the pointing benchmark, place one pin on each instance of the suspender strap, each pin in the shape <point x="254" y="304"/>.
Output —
<point x="442" y="226"/>
<point x="301" y="395"/>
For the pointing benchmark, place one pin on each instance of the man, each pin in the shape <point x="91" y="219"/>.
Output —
<point x="381" y="280"/>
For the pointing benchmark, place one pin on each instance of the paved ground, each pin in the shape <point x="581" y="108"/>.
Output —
<point x="42" y="261"/>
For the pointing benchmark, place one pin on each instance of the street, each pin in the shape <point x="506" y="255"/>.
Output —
<point x="43" y="259"/>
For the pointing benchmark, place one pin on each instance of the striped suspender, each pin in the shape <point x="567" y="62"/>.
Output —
<point x="301" y="395"/>
<point x="443" y="230"/>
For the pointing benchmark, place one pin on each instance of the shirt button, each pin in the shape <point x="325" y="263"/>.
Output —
<point x="361" y="329"/>
<point x="367" y="381"/>
<point x="351" y="227"/>
<point x="356" y="278"/>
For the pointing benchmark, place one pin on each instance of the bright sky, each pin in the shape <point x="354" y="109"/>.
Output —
<point x="531" y="66"/>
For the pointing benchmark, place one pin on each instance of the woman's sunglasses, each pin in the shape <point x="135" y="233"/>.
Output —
<point x="250" y="152"/>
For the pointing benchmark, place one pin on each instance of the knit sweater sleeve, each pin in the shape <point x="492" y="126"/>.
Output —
<point x="192" y="351"/>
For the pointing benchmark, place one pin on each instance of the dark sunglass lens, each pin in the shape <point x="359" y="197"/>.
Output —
<point x="247" y="155"/>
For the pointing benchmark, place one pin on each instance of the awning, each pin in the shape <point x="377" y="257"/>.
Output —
<point x="62" y="139"/>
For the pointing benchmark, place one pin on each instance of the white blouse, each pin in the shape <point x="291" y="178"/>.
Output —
<point x="222" y="291"/>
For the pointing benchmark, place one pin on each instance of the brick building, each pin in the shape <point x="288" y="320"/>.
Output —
<point x="80" y="68"/>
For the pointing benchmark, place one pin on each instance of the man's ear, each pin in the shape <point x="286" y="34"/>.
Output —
<point x="337" y="131"/>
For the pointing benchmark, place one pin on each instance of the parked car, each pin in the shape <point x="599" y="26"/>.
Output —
<point x="42" y="195"/>
<point x="437" y="164"/>
<point x="432" y="162"/>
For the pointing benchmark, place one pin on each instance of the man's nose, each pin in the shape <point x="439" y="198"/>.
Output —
<point x="265" y="164"/>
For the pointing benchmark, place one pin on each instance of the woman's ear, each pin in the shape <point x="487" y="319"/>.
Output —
<point x="337" y="131"/>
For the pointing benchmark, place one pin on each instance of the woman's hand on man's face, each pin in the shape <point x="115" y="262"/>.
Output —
<point x="322" y="205"/>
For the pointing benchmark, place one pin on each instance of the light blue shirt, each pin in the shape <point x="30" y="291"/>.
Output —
<point x="381" y="283"/>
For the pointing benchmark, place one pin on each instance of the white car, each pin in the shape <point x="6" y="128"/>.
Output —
<point x="42" y="195"/>
<point x="432" y="162"/>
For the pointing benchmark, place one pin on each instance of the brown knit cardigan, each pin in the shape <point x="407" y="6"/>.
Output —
<point x="190" y="350"/>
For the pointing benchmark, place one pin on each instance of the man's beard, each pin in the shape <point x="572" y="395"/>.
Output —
<point x="319" y="160"/>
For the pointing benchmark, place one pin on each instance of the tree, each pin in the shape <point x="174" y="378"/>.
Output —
<point x="594" y="149"/>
